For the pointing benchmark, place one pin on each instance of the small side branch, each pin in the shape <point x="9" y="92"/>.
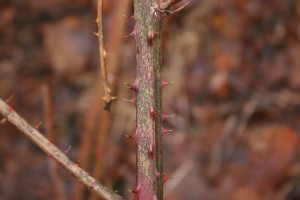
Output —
<point x="52" y="151"/>
<point x="102" y="55"/>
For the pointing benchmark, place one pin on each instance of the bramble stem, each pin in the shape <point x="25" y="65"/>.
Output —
<point x="149" y="138"/>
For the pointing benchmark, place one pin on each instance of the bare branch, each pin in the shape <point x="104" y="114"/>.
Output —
<point x="102" y="55"/>
<point x="52" y="151"/>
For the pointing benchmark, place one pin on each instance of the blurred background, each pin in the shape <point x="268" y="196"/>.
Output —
<point x="236" y="100"/>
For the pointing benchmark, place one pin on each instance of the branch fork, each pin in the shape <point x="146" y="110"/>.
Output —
<point x="166" y="8"/>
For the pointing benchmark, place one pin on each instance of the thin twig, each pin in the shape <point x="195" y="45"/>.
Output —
<point x="52" y="151"/>
<point x="102" y="55"/>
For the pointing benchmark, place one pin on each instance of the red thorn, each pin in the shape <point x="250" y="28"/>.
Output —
<point x="164" y="117"/>
<point x="51" y="155"/>
<point x="133" y="86"/>
<point x="68" y="149"/>
<point x="152" y="113"/>
<point x="3" y="120"/>
<point x="150" y="38"/>
<point x="132" y="17"/>
<point x="11" y="108"/>
<point x="133" y="136"/>
<point x="77" y="163"/>
<point x="133" y="191"/>
<point x="91" y="187"/>
<point x="166" y="178"/>
<point x="38" y="125"/>
<point x="165" y="131"/>
<point x="157" y="174"/>
<point x="132" y="101"/>
<point x="151" y="151"/>
<point x="9" y="99"/>
<point x="133" y="33"/>
<point x="136" y="191"/>
<point x="165" y="83"/>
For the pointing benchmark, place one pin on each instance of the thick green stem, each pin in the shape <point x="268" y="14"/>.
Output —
<point x="148" y="134"/>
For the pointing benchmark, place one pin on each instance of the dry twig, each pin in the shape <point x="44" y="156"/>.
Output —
<point x="52" y="151"/>
<point x="102" y="55"/>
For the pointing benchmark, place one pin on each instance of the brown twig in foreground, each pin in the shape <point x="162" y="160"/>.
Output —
<point x="102" y="55"/>
<point x="52" y="151"/>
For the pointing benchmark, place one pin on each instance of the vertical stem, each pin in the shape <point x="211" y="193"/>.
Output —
<point x="102" y="56"/>
<point x="149" y="140"/>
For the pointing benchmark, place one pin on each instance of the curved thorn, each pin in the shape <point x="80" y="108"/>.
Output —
<point x="132" y="17"/>
<point x="132" y="101"/>
<point x="133" y="86"/>
<point x="180" y="8"/>
<point x="165" y="131"/>
<point x="166" y="83"/>
<point x="164" y="117"/>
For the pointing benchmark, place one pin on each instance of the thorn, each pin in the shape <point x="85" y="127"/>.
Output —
<point x="91" y="187"/>
<point x="165" y="83"/>
<point x="132" y="101"/>
<point x="4" y="120"/>
<point x="97" y="34"/>
<point x="133" y="136"/>
<point x="132" y="191"/>
<point x="38" y="125"/>
<point x="77" y="163"/>
<point x="132" y="17"/>
<point x="166" y="178"/>
<point x="151" y="151"/>
<point x="173" y="2"/>
<point x="11" y="108"/>
<point x="150" y="38"/>
<point x="133" y="86"/>
<point x="157" y="174"/>
<point x="152" y="113"/>
<point x="164" y="117"/>
<point x="136" y="192"/>
<point x="133" y="33"/>
<point x="180" y="8"/>
<point x="137" y="189"/>
<point x="9" y="99"/>
<point x="165" y="131"/>
<point x="111" y="98"/>
<point x="68" y="149"/>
